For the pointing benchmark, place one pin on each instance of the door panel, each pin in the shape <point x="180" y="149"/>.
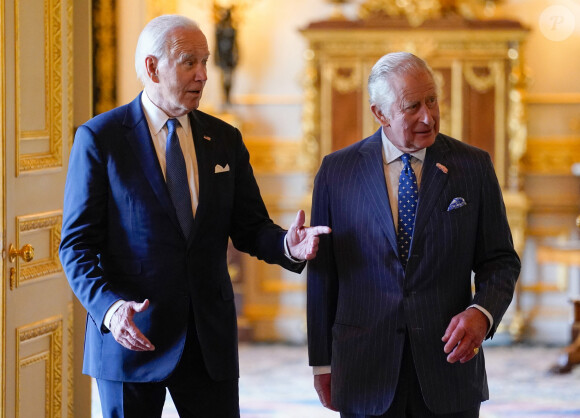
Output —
<point x="36" y="118"/>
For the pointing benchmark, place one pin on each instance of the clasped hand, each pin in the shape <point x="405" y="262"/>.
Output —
<point x="303" y="241"/>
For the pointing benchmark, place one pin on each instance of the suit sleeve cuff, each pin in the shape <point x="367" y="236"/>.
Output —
<point x="486" y="313"/>
<point x="287" y="252"/>
<point x="110" y="312"/>
<point x="316" y="370"/>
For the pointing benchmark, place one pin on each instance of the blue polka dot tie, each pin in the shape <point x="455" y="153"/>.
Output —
<point x="408" y="194"/>
<point x="176" y="177"/>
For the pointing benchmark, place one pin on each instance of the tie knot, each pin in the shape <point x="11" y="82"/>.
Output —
<point x="171" y="125"/>
<point x="406" y="158"/>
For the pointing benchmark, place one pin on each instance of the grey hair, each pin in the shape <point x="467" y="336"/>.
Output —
<point x="381" y="92"/>
<point x="154" y="40"/>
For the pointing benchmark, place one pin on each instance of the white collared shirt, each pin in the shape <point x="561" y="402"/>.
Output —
<point x="157" y="120"/>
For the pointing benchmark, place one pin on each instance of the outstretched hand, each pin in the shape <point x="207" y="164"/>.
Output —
<point x="124" y="330"/>
<point x="303" y="241"/>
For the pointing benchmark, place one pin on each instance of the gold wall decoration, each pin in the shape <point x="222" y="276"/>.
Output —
<point x="43" y="268"/>
<point x="40" y="147"/>
<point x="551" y="156"/>
<point x="481" y="82"/>
<point x="418" y="11"/>
<point x="345" y="77"/>
<point x="272" y="156"/>
<point x="105" y="55"/>
<point x="70" y="359"/>
<point x="69" y="70"/>
<point x="51" y="331"/>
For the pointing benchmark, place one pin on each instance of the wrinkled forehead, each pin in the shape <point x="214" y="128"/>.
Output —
<point x="188" y="41"/>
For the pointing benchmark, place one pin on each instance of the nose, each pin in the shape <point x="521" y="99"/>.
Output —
<point x="201" y="73"/>
<point x="426" y="115"/>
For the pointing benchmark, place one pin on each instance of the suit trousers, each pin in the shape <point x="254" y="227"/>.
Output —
<point x="408" y="401"/>
<point x="194" y="393"/>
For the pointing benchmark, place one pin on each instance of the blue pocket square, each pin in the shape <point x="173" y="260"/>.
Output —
<point x="456" y="203"/>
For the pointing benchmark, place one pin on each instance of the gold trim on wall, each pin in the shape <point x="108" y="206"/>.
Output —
<point x="553" y="98"/>
<point x="551" y="156"/>
<point x="52" y="132"/>
<point x="105" y="55"/>
<point x="70" y="73"/>
<point x="274" y="156"/>
<point x="44" y="268"/>
<point x="70" y="359"/>
<point x="2" y="214"/>
<point x="50" y="328"/>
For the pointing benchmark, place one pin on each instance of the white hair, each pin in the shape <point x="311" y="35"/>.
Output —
<point x="154" y="40"/>
<point x="381" y="92"/>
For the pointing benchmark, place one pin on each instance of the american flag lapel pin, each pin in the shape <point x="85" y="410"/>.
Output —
<point x="442" y="167"/>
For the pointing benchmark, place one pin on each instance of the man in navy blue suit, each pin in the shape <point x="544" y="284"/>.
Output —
<point x="394" y="329"/>
<point x="155" y="189"/>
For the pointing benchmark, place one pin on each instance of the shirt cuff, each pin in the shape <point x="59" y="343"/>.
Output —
<point x="287" y="252"/>
<point x="486" y="313"/>
<point x="316" y="370"/>
<point x="110" y="312"/>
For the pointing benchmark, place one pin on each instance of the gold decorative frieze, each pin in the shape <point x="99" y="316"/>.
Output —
<point x="70" y="358"/>
<point x="271" y="156"/>
<point x="47" y="333"/>
<point x="43" y="268"/>
<point x="39" y="147"/>
<point x="344" y="76"/>
<point x="481" y="82"/>
<point x="551" y="155"/>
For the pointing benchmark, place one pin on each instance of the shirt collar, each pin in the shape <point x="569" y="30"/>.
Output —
<point x="158" y="118"/>
<point x="392" y="152"/>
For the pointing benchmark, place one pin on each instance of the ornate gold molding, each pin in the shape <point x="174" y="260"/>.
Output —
<point x="70" y="359"/>
<point x="41" y="268"/>
<point x="271" y="156"/>
<point x="344" y="76"/>
<point x="53" y="87"/>
<point x="3" y="286"/>
<point x="52" y="329"/>
<point x="481" y="83"/>
<point x="551" y="155"/>
<point x="70" y="72"/>
<point x="104" y="51"/>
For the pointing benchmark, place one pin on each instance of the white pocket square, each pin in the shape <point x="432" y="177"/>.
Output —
<point x="456" y="203"/>
<point x="220" y="169"/>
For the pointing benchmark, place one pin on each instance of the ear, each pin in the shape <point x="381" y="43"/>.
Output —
<point x="379" y="115"/>
<point x="151" y="67"/>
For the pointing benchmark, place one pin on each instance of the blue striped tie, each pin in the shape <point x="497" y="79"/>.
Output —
<point x="176" y="177"/>
<point x="408" y="194"/>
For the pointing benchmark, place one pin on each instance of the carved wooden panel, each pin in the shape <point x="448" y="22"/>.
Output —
<point x="39" y="355"/>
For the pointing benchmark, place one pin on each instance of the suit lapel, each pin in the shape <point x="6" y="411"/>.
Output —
<point x="139" y="139"/>
<point x="372" y="181"/>
<point x="203" y="151"/>
<point x="433" y="180"/>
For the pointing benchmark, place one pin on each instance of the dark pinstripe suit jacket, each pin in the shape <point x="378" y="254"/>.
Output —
<point x="359" y="298"/>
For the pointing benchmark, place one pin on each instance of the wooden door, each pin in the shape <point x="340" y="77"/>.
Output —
<point x="36" y="119"/>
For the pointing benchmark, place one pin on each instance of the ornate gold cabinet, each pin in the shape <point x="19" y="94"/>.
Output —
<point x="477" y="64"/>
<point x="478" y="67"/>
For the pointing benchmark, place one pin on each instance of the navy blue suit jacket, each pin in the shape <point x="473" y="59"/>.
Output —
<point x="360" y="301"/>
<point x="121" y="240"/>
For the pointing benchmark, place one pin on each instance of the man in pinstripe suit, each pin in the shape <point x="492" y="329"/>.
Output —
<point x="393" y="334"/>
